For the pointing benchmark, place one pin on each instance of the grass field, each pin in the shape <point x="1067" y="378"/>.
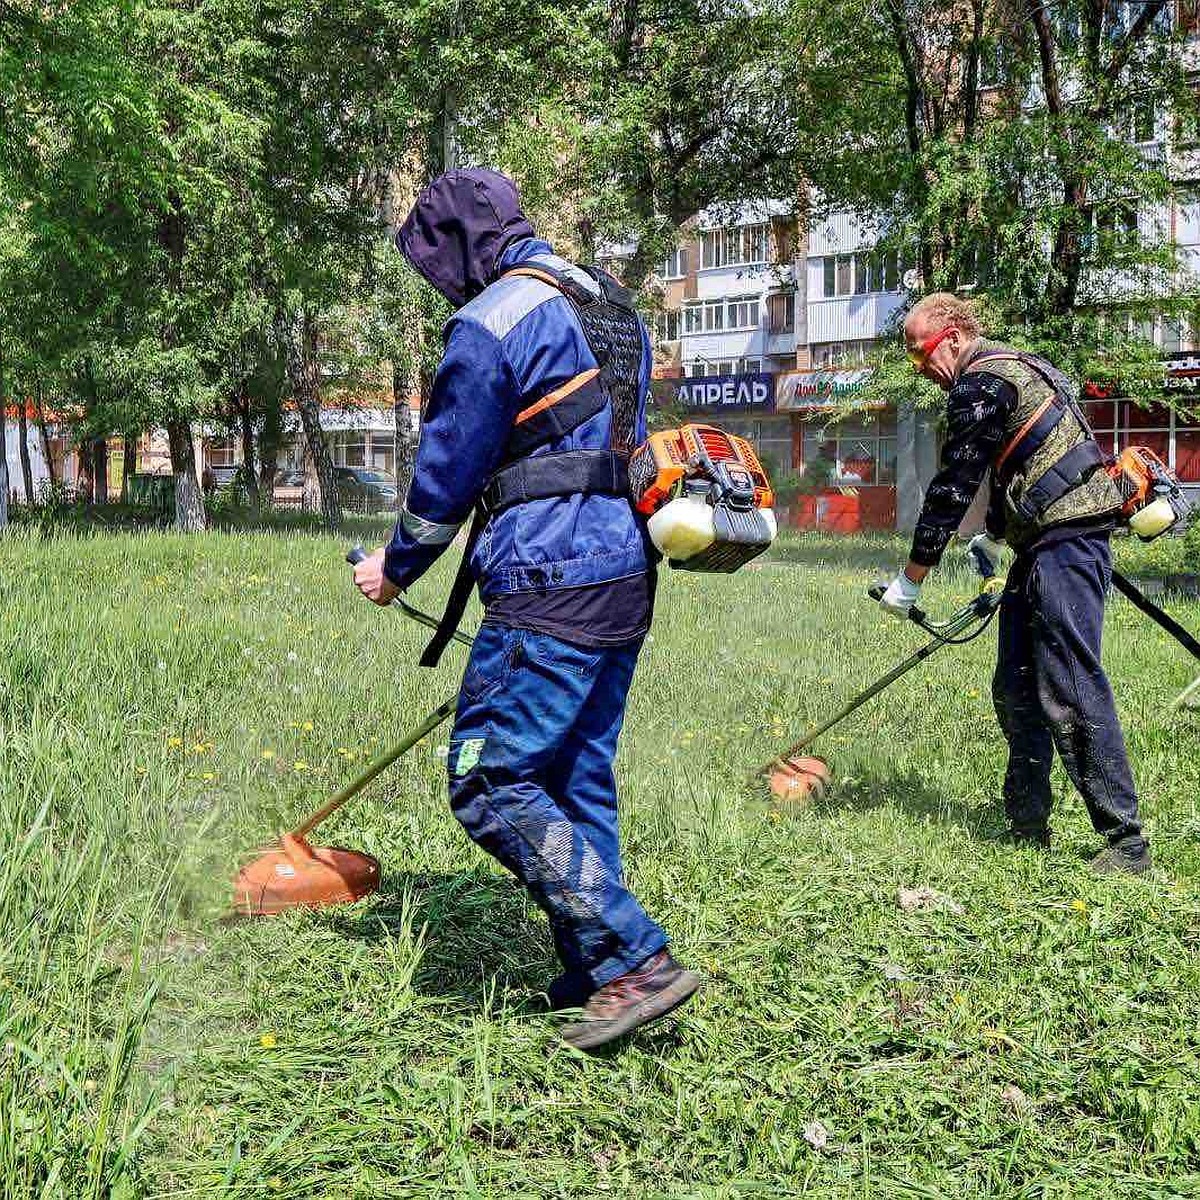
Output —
<point x="167" y="703"/>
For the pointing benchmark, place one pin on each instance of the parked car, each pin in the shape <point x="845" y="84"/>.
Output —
<point x="365" y="491"/>
<point x="289" y="489"/>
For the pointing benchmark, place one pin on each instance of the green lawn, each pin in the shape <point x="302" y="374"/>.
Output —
<point x="167" y="703"/>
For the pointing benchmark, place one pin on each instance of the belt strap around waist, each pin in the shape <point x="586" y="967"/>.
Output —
<point x="570" y="473"/>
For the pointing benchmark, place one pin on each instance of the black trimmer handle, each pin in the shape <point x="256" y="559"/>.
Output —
<point x="915" y="614"/>
<point x="355" y="555"/>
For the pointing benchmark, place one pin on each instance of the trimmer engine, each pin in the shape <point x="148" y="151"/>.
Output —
<point x="1153" y="500"/>
<point x="707" y="497"/>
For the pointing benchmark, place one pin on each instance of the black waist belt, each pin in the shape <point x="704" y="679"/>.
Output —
<point x="571" y="473"/>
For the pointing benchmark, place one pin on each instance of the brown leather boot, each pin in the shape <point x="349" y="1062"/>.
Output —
<point x="632" y="1000"/>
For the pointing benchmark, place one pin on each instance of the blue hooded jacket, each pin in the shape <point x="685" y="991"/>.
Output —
<point x="513" y="341"/>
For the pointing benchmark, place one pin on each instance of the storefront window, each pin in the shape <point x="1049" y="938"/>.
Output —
<point x="1174" y="437"/>
<point x="864" y="448"/>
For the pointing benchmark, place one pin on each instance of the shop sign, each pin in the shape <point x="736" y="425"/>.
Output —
<point x="1182" y="372"/>
<point x="819" y="389"/>
<point x="726" y="393"/>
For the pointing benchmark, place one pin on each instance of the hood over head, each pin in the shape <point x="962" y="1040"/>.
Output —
<point x="459" y="227"/>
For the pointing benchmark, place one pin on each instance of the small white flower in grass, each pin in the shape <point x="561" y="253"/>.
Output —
<point x="816" y="1135"/>
<point x="246" y="651"/>
<point x="892" y="971"/>
<point x="442" y="752"/>
<point x="291" y="656"/>
<point x="162" y="666"/>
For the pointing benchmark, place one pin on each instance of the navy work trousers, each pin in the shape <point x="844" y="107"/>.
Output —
<point x="531" y="781"/>
<point x="1051" y="691"/>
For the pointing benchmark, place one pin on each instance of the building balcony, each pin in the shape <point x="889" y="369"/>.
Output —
<point x="852" y="318"/>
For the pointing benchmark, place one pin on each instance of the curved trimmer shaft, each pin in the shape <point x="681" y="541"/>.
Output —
<point x="980" y="609"/>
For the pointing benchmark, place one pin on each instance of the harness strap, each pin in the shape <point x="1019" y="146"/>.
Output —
<point x="570" y="473"/>
<point x="456" y="602"/>
<point x="1064" y="476"/>
<point x="1134" y="595"/>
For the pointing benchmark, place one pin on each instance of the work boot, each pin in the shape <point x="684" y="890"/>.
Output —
<point x="1123" y="858"/>
<point x="632" y="1000"/>
<point x="1037" y="836"/>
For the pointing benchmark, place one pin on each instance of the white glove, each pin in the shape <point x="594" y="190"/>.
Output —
<point x="984" y="555"/>
<point x="900" y="596"/>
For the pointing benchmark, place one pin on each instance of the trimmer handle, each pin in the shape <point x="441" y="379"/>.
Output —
<point x="915" y="614"/>
<point x="355" y="555"/>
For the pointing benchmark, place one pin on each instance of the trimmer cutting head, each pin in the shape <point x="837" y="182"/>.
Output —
<point x="297" y="875"/>
<point x="799" y="780"/>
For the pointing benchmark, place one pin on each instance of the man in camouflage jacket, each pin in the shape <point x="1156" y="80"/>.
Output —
<point x="1013" y="418"/>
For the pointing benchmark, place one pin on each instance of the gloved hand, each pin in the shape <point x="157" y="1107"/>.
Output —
<point x="900" y="596"/>
<point x="985" y="554"/>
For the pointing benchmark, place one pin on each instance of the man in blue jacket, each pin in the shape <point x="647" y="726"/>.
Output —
<point x="538" y="400"/>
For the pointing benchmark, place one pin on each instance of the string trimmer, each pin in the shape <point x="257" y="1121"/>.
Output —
<point x="295" y="874"/>
<point x="795" y="777"/>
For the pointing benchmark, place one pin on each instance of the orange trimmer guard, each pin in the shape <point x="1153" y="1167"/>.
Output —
<point x="297" y="875"/>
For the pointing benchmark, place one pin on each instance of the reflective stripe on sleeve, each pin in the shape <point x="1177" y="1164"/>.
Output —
<point x="428" y="533"/>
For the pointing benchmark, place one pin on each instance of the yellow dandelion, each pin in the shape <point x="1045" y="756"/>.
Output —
<point x="200" y="748"/>
<point x="1080" y="906"/>
<point x="307" y="726"/>
<point x="959" y="998"/>
<point x="268" y="754"/>
<point x="208" y="775"/>
<point x="267" y="1041"/>
<point x="175" y="742"/>
<point x="299" y="766"/>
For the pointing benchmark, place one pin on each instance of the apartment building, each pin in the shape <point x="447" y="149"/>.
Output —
<point x="771" y="329"/>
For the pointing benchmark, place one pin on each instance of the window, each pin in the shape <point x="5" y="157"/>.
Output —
<point x="668" y="325"/>
<point x="891" y="271"/>
<point x="692" y="318"/>
<point x="675" y="266"/>
<point x="858" y="274"/>
<point x="221" y="452"/>
<point x="735" y="246"/>
<point x="714" y="315"/>
<point x="842" y="354"/>
<point x="743" y="312"/>
<point x="1143" y="122"/>
<point x="781" y="312"/>
<point x="1113" y="226"/>
<point x="751" y="366"/>
<point x="350" y="449"/>
<point x="862" y="450"/>
<point x="1173" y="436"/>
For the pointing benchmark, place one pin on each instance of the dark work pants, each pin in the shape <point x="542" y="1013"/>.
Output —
<point x="1051" y="692"/>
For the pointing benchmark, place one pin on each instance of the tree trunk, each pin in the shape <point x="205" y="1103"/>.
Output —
<point x="404" y="383"/>
<point x="300" y="344"/>
<point x="39" y="414"/>
<point x="99" y="453"/>
<point x="189" y="499"/>
<point x="23" y="450"/>
<point x="128" y="465"/>
<point x="249" y="469"/>
<point x="3" y="453"/>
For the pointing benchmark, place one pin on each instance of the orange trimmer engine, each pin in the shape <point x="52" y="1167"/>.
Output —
<point x="1152" y="500"/>
<point x="706" y="496"/>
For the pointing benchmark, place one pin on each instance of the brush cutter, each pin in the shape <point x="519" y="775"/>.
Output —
<point x="796" y="778"/>
<point x="295" y="874"/>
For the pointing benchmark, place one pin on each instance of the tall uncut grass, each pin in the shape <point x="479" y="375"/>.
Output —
<point x="167" y="704"/>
